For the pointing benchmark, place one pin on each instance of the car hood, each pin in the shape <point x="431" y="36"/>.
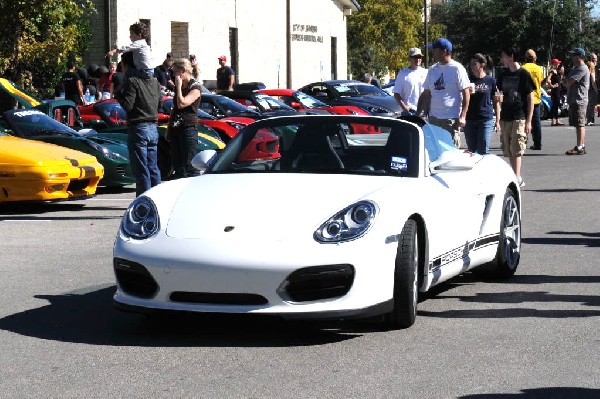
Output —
<point x="17" y="151"/>
<point x="379" y="101"/>
<point x="264" y="206"/>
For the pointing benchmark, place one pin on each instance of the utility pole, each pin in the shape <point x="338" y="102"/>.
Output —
<point x="425" y="19"/>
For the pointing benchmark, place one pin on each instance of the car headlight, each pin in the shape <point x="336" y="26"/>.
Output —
<point x="237" y="126"/>
<point x="141" y="219"/>
<point x="348" y="224"/>
<point x="376" y="110"/>
<point x="105" y="151"/>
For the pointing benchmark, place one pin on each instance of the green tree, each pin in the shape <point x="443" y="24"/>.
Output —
<point x="550" y="27"/>
<point x="38" y="36"/>
<point x="380" y="34"/>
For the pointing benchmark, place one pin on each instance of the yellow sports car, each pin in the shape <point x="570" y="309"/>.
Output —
<point x="35" y="171"/>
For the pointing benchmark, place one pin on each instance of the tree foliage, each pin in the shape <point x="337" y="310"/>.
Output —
<point x="37" y="37"/>
<point x="382" y="32"/>
<point x="550" y="27"/>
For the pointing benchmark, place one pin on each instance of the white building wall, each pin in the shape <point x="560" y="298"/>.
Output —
<point x="261" y="28"/>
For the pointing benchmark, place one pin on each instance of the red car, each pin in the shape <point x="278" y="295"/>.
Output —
<point x="109" y="110"/>
<point x="299" y="101"/>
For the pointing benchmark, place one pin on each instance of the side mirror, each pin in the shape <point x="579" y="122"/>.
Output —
<point x="204" y="159"/>
<point x="295" y="105"/>
<point x="453" y="161"/>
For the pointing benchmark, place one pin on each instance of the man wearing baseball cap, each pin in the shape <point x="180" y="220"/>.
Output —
<point x="578" y="83"/>
<point x="225" y="75"/>
<point x="554" y="82"/>
<point x="409" y="82"/>
<point x="447" y="91"/>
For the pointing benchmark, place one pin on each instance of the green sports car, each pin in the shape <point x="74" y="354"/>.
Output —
<point x="111" y="153"/>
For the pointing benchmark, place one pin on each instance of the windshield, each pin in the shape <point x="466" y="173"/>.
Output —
<point x="355" y="89"/>
<point x="308" y="101"/>
<point x="316" y="145"/>
<point x="111" y="111"/>
<point x="30" y="123"/>
<point x="268" y="103"/>
<point x="220" y="106"/>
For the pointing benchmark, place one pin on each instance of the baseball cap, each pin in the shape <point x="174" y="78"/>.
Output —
<point x="222" y="58"/>
<point x="577" y="51"/>
<point x="441" y="43"/>
<point x="415" y="52"/>
<point x="555" y="61"/>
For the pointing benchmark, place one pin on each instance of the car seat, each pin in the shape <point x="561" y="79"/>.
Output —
<point x="311" y="150"/>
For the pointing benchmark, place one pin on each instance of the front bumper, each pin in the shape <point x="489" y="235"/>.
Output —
<point x="187" y="272"/>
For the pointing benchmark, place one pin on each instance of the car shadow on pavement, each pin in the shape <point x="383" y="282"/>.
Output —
<point x="87" y="316"/>
<point x="43" y="210"/>
<point x="515" y="298"/>
<point x="541" y="393"/>
<point x="115" y="190"/>
<point x="586" y="239"/>
<point x="565" y="190"/>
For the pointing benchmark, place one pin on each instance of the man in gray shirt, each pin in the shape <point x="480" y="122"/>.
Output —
<point x="578" y="83"/>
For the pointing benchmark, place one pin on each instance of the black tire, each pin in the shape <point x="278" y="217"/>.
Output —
<point x="509" y="248"/>
<point x="406" y="278"/>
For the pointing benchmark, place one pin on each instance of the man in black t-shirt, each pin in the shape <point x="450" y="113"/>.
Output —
<point x="72" y="84"/>
<point x="225" y="75"/>
<point x="516" y="111"/>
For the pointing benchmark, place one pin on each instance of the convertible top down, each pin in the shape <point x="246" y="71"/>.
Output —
<point x="336" y="225"/>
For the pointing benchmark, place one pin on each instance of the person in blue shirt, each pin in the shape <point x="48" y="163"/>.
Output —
<point x="480" y="114"/>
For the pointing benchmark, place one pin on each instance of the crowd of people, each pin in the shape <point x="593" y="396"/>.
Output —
<point x="139" y="87"/>
<point x="508" y="103"/>
<point x="446" y="94"/>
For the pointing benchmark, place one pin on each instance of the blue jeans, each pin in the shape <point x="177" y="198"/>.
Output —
<point x="142" y="142"/>
<point x="536" y="127"/>
<point x="478" y="135"/>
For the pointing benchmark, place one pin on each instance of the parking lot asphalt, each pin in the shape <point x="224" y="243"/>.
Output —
<point x="533" y="336"/>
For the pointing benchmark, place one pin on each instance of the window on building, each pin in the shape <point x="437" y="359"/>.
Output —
<point x="180" y="40"/>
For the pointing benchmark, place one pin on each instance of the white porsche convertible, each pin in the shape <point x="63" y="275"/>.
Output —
<point x="330" y="224"/>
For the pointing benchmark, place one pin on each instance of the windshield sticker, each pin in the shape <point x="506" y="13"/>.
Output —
<point x="21" y="114"/>
<point x="398" y="163"/>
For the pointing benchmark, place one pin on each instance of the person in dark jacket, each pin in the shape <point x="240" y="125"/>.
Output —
<point x="141" y="99"/>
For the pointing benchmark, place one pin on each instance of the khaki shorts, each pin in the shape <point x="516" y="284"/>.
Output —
<point x="513" y="138"/>
<point x="448" y="125"/>
<point x="577" y="115"/>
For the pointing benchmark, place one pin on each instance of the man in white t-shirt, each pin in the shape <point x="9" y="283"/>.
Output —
<point x="409" y="82"/>
<point x="446" y="90"/>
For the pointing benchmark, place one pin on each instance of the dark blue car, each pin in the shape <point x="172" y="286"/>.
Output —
<point x="353" y="92"/>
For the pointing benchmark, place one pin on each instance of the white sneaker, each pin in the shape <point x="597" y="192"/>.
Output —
<point x="521" y="182"/>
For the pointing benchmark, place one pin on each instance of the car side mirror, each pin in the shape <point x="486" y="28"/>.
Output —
<point x="204" y="159"/>
<point x="452" y="161"/>
<point x="295" y="105"/>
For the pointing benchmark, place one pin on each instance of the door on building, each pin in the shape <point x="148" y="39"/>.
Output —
<point x="233" y="50"/>
<point x="334" y="74"/>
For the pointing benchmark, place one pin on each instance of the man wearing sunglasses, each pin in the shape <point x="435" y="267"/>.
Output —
<point x="409" y="82"/>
